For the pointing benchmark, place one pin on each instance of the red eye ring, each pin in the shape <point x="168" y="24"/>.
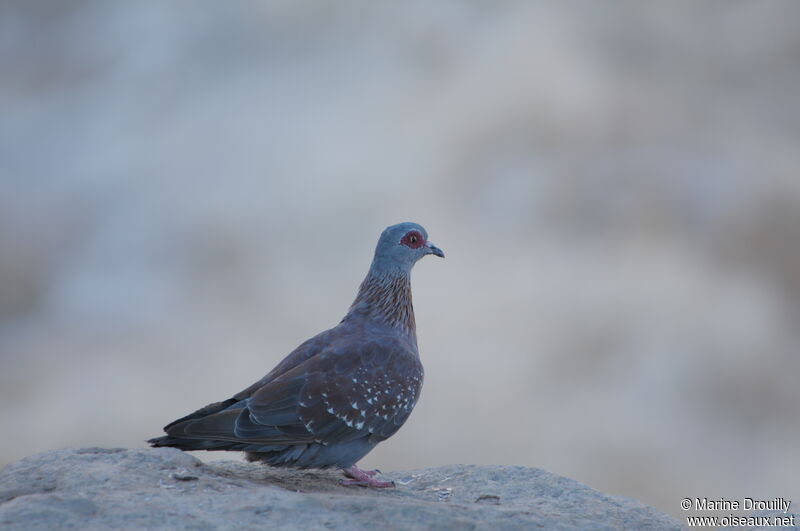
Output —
<point x="413" y="240"/>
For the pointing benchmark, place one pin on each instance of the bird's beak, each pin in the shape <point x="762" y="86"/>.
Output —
<point x="432" y="249"/>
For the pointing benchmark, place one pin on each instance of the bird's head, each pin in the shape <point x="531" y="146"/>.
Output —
<point x="401" y="245"/>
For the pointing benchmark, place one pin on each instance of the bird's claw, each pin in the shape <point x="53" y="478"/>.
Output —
<point x="364" y="478"/>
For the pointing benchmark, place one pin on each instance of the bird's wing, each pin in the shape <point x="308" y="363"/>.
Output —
<point x="343" y="393"/>
<point x="236" y="422"/>
<point x="368" y="392"/>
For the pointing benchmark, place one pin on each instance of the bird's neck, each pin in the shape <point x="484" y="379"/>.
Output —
<point x="386" y="297"/>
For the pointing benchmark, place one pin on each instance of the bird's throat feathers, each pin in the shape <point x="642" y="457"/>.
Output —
<point x="386" y="297"/>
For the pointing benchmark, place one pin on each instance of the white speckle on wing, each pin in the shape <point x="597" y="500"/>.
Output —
<point x="354" y="405"/>
<point x="359" y="425"/>
<point x="331" y="411"/>
<point x="369" y="401"/>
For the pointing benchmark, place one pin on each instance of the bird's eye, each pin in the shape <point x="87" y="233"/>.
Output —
<point x="412" y="239"/>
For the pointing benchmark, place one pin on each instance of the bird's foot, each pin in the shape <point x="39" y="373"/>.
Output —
<point x="363" y="478"/>
<point x="354" y="472"/>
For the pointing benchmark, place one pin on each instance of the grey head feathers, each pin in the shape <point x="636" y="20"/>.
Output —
<point x="399" y="248"/>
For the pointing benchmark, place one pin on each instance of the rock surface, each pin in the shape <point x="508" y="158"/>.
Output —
<point x="97" y="488"/>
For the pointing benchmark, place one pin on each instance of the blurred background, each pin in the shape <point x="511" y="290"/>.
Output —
<point x="190" y="189"/>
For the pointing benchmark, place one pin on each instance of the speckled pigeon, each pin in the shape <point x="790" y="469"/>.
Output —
<point x="340" y="393"/>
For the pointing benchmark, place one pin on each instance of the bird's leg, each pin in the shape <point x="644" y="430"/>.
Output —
<point x="363" y="478"/>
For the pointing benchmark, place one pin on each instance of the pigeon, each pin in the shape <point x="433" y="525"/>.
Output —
<point x="338" y="394"/>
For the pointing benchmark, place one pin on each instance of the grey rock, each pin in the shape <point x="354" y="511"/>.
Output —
<point x="95" y="488"/>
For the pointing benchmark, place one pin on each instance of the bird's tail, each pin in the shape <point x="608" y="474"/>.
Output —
<point x="192" y="444"/>
<point x="211" y="445"/>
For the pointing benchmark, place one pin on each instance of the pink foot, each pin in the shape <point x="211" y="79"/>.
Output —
<point x="353" y="472"/>
<point x="363" y="478"/>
